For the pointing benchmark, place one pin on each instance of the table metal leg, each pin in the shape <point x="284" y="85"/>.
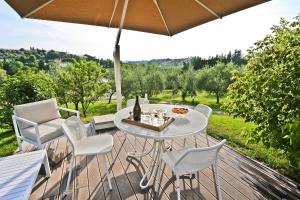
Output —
<point x="142" y="153"/>
<point x="152" y="170"/>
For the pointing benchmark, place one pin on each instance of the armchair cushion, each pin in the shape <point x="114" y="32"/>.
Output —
<point x="48" y="131"/>
<point x="39" y="112"/>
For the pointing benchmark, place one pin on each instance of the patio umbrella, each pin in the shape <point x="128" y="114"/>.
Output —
<point x="166" y="17"/>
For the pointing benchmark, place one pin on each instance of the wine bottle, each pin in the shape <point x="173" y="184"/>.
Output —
<point x="137" y="110"/>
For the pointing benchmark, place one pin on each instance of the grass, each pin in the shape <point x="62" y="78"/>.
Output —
<point x="231" y="129"/>
<point x="8" y="142"/>
<point x="202" y="97"/>
<point x="220" y="126"/>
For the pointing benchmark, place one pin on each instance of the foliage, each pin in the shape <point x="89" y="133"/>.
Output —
<point x="232" y="129"/>
<point x="84" y="82"/>
<point x="40" y="59"/>
<point x="187" y="83"/>
<point x="268" y="91"/>
<point x="216" y="79"/>
<point x="141" y="79"/>
<point x="24" y="87"/>
<point x="236" y="57"/>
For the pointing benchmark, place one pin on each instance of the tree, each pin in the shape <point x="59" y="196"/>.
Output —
<point x="268" y="91"/>
<point x="111" y="81"/>
<point x="3" y="76"/>
<point x="12" y="67"/>
<point x="187" y="83"/>
<point x="24" y="87"/>
<point x="216" y="79"/>
<point x="172" y="80"/>
<point x="87" y="82"/>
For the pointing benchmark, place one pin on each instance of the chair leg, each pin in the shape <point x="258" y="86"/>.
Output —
<point x="217" y="181"/>
<point x="177" y="185"/>
<point x="195" y="138"/>
<point x="206" y="138"/>
<point x="107" y="172"/>
<point x="70" y="174"/>
<point x="20" y="144"/>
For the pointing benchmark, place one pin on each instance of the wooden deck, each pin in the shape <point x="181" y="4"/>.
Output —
<point x="241" y="178"/>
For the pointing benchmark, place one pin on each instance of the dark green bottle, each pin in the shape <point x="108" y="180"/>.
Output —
<point x="137" y="110"/>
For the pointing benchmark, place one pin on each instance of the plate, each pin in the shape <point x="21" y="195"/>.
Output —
<point x="181" y="111"/>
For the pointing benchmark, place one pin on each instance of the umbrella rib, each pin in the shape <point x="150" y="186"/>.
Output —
<point x="113" y="14"/>
<point x="161" y="15"/>
<point x="208" y="9"/>
<point x="37" y="9"/>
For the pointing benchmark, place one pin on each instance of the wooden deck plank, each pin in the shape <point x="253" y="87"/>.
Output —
<point x="109" y="194"/>
<point x="129" y="169"/>
<point x="81" y="180"/>
<point x="226" y="184"/>
<point x="240" y="178"/>
<point x="123" y="183"/>
<point x="53" y="184"/>
<point x="96" y="189"/>
<point x="206" y="177"/>
<point x="233" y="166"/>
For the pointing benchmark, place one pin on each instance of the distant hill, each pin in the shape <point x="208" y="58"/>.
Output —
<point x="41" y="58"/>
<point x="165" y="62"/>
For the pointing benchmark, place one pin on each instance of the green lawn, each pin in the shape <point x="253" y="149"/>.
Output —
<point x="202" y="97"/>
<point x="224" y="126"/>
<point x="220" y="126"/>
<point x="8" y="142"/>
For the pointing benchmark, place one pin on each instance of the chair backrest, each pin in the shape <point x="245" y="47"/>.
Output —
<point x="74" y="129"/>
<point x="131" y="102"/>
<point x="206" y="110"/>
<point x="39" y="112"/>
<point x="195" y="159"/>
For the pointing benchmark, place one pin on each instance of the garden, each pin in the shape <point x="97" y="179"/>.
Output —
<point x="255" y="97"/>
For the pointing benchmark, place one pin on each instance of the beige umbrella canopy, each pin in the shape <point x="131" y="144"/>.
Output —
<point x="166" y="17"/>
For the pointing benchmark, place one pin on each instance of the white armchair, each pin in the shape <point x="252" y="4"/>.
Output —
<point x="38" y="123"/>
<point x="191" y="160"/>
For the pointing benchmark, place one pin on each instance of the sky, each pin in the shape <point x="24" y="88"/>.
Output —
<point x="236" y="31"/>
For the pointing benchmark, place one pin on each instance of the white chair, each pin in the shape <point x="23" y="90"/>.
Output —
<point x="207" y="111"/>
<point x="76" y="133"/>
<point x="191" y="160"/>
<point x="38" y="122"/>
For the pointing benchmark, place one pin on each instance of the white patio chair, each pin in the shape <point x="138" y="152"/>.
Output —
<point x="38" y="123"/>
<point x="207" y="111"/>
<point x="191" y="160"/>
<point x="131" y="102"/>
<point x="83" y="145"/>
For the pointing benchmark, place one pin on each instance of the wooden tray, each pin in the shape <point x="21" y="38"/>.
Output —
<point x="167" y="122"/>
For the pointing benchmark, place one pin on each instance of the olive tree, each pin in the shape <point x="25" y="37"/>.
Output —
<point x="268" y="91"/>
<point x="216" y="79"/>
<point x="86" y="82"/>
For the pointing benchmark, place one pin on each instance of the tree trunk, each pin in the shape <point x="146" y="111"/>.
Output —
<point x="76" y="105"/>
<point x="66" y="104"/>
<point x="110" y="96"/>
<point x="218" y="98"/>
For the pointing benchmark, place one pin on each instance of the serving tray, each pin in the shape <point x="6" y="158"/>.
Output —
<point x="167" y="122"/>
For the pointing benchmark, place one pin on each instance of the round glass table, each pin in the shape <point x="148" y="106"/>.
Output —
<point x="185" y="125"/>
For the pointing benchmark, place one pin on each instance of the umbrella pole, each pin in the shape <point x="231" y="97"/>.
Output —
<point x="117" y="69"/>
<point x="117" y="64"/>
